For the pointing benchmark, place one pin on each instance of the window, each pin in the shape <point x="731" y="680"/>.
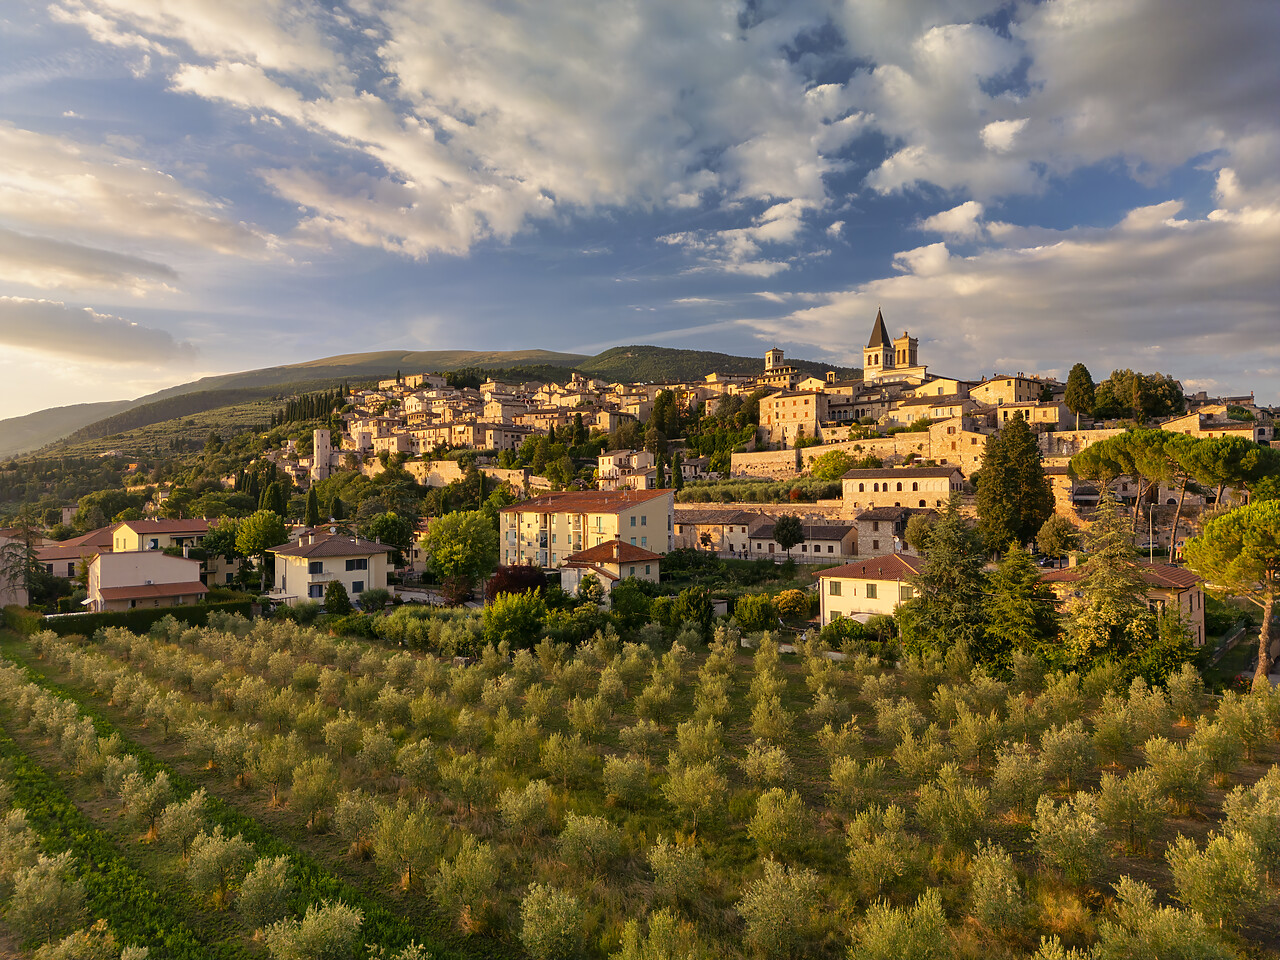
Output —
<point x="316" y="566"/>
<point x="633" y="521"/>
<point x="804" y="548"/>
<point x="899" y="486"/>
<point x="155" y="544"/>
<point x="905" y="592"/>
<point x="915" y="486"/>
<point x="229" y="578"/>
<point x="644" y="541"/>
<point x="862" y="488"/>
<point x="875" y="526"/>
<point x="357" y="586"/>
<point x="644" y="520"/>
<point x="316" y="591"/>
<point x="633" y="541"/>
<point x="831" y="548"/>
<point x="833" y="588"/>
<point x="922" y="503"/>
<point x="875" y="544"/>
<point x="48" y="567"/>
<point x="631" y="571"/>
<point x="646" y="568"/>
<point x="360" y="563"/>
<point x="871" y="591"/>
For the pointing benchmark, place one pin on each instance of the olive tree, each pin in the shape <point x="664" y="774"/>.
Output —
<point x="47" y="898"/>
<point x="551" y="924"/>
<point x="326" y="930"/>
<point x="265" y="892"/>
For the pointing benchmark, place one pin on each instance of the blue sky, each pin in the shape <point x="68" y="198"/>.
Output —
<point x="197" y="186"/>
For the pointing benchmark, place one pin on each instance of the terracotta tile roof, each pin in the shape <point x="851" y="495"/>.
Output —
<point x="613" y="551"/>
<point x="586" y="501"/>
<point x="151" y="591"/>
<point x="811" y="531"/>
<point x="334" y="546"/>
<point x="1161" y="576"/>
<point x="705" y="515"/>
<point x="165" y="526"/>
<point x="892" y="566"/>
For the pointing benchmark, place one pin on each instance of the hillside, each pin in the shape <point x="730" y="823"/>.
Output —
<point x="19" y="434"/>
<point x="85" y="423"/>
<point x="656" y="364"/>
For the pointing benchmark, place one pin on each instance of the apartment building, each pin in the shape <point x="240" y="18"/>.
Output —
<point x="305" y="567"/>
<point x="547" y="529"/>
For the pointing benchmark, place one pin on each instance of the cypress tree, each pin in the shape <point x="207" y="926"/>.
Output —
<point x="313" y="509"/>
<point x="661" y="480"/>
<point x="1014" y="497"/>
<point x="335" y="508"/>
<point x="677" y="475"/>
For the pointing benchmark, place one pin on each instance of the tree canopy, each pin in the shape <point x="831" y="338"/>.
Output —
<point x="1240" y="551"/>
<point x="461" y="550"/>
<point x="1014" y="496"/>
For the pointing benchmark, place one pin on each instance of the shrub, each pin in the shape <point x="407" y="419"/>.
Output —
<point x="677" y="870"/>
<point x="1143" y="931"/>
<point x="766" y="765"/>
<point x="217" y="863"/>
<point x="1066" y="753"/>
<point x="779" y="909"/>
<point x="265" y="892"/>
<point x="1255" y="812"/>
<point x="528" y="811"/>
<point x="467" y="884"/>
<point x="668" y="938"/>
<point x="1180" y="773"/>
<point x="589" y="843"/>
<point x="852" y="782"/>
<point x="781" y="826"/>
<point x="1017" y="782"/>
<point x="1068" y="837"/>
<point x="953" y="807"/>
<point x="910" y="933"/>
<point x="755" y="612"/>
<point x="996" y="896"/>
<point x="1222" y="882"/>
<point x="327" y="931"/>
<point x="551" y="924"/>
<point x="796" y="604"/>
<point x="696" y="792"/>
<point x="46" y="899"/>
<point x="336" y="601"/>
<point x="626" y="780"/>
<point x="880" y="850"/>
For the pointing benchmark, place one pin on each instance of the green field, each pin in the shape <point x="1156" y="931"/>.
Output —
<point x="640" y="799"/>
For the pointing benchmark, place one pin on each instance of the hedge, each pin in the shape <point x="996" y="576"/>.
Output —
<point x="139" y="619"/>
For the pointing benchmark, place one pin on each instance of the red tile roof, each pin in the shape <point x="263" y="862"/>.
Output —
<point x="1162" y="576"/>
<point x="333" y="546"/>
<point x="151" y="591"/>
<point x="613" y="551"/>
<point x="892" y="566"/>
<point x="587" y="501"/>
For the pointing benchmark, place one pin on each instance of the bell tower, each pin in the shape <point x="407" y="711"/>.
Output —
<point x="878" y="354"/>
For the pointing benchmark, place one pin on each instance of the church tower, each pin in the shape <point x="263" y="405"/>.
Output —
<point x="878" y="354"/>
<point x="906" y="351"/>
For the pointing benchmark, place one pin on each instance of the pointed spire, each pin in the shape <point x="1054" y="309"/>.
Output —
<point x="879" y="335"/>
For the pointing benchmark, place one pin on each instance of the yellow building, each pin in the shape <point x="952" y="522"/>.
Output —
<point x="142" y="578"/>
<point x="1001" y="390"/>
<point x="867" y="588"/>
<point x="545" y="530"/>
<point x="157" y="534"/>
<point x="305" y="568"/>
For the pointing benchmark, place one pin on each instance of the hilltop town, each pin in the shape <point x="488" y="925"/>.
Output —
<point x="709" y="465"/>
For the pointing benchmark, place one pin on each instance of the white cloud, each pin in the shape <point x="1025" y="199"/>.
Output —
<point x="835" y="228"/>
<point x="54" y="184"/>
<point x="963" y="222"/>
<point x="52" y="327"/>
<point x="48" y="264"/>
<point x="999" y="135"/>
<point x="1201" y="290"/>
<point x="740" y="250"/>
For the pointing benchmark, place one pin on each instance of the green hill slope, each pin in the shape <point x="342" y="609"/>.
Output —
<point x="20" y="434"/>
<point x="657" y="364"/>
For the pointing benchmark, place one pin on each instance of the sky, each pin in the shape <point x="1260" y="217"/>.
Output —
<point x="191" y="187"/>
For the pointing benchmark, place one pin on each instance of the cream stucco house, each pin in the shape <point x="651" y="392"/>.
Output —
<point x="305" y="568"/>
<point x="867" y="588"/>
<point x="142" y="578"/>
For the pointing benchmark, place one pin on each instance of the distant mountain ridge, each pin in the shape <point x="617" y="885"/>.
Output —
<point x="635" y="363"/>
